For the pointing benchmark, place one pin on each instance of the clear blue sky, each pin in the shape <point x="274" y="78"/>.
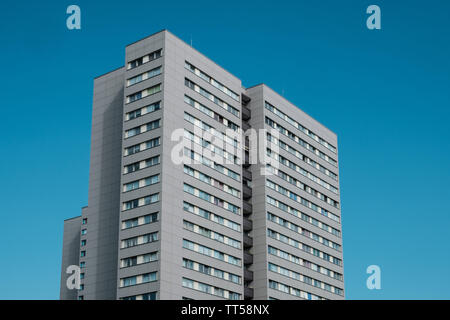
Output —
<point x="385" y="93"/>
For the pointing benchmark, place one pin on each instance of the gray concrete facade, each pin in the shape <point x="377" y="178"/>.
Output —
<point x="98" y="234"/>
<point x="161" y="229"/>
<point x="70" y="255"/>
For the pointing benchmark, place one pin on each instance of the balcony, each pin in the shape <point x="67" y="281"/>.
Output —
<point x="248" y="241"/>
<point x="248" y="275"/>
<point x="246" y="114"/>
<point x="248" y="258"/>
<point x="247" y="192"/>
<point x="247" y="208"/>
<point x="247" y="174"/>
<point x="248" y="224"/>
<point x="246" y="163"/>
<point x="245" y="99"/>
<point x="248" y="293"/>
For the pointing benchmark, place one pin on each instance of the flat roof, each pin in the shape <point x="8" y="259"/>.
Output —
<point x="104" y="74"/>
<point x="72" y="218"/>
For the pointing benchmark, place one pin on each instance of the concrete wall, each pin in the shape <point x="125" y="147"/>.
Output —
<point x="70" y="255"/>
<point x="104" y="188"/>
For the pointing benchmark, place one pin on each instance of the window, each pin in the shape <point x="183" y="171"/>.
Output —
<point x="229" y="138"/>
<point x="83" y="243"/>
<point x="215" y="147"/>
<point x="134" y="97"/>
<point x="132" y="150"/>
<point x="138" y="260"/>
<point x="82" y="264"/>
<point x="144" y="76"/>
<point x="206" y="288"/>
<point x="300" y="230"/>
<point x="288" y="178"/>
<point x="211" y="97"/>
<point x="211" y="234"/>
<point x="300" y="277"/>
<point x="145" y="296"/>
<point x="151" y="199"/>
<point x="300" y="127"/>
<point x="301" y="156"/>
<point x="152" y="180"/>
<point x="136" y="166"/>
<point x="188" y="283"/>
<point x="128" y="205"/>
<point x="143" y="239"/>
<point x="200" y="159"/>
<point x="138" y="279"/>
<point x="211" y="199"/>
<point x="131" y="186"/>
<point x="284" y="161"/>
<point x="301" y="200"/>
<point x="300" y="141"/>
<point x="131" y="204"/>
<point x="128" y="282"/>
<point x="212" y="271"/>
<point x="145" y="182"/>
<point x="84" y="231"/>
<point x="144" y="93"/>
<point x="149" y="296"/>
<point x="142" y="60"/>
<point x="306" y="248"/>
<point x="293" y="291"/>
<point x="143" y="111"/>
<point x="84" y="221"/>
<point x="152" y="143"/>
<point x="211" y="80"/>
<point x="82" y="253"/>
<point x="143" y="128"/>
<point x="211" y="252"/>
<point x="284" y="207"/>
<point x="139" y="221"/>
<point x="211" y="216"/>
<point x="197" y="105"/>
<point x="155" y="142"/>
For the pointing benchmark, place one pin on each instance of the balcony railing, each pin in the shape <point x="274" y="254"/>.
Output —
<point x="248" y="241"/>
<point x="248" y="258"/>
<point x="247" y="208"/>
<point x="248" y="224"/>
<point x="246" y="114"/>
<point x="248" y="293"/>
<point x="247" y="174"/>
<point x="248" y="275"/>
<point x="247" y="191"/>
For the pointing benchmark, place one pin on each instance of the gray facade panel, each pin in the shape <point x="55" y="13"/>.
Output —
<point x="70" y="255"/>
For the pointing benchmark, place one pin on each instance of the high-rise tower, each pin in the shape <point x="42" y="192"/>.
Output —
<point x="219" y="226"/>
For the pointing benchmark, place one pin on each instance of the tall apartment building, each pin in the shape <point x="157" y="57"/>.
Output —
<point x="158" y="228"/>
